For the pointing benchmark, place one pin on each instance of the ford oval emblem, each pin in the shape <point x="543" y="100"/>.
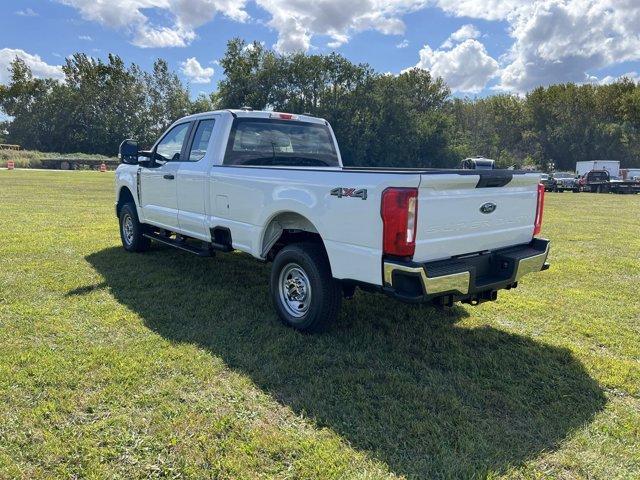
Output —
<point x="488" y="207"/>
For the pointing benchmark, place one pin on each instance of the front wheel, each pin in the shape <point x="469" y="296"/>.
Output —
<point x="304" y="293"/>
<point x="131" y="230"/>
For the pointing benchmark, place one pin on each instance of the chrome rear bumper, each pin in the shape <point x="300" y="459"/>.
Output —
<point x="466" y="277"/>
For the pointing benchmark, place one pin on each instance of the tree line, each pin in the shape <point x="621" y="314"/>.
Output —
<point x="409" y="119"/>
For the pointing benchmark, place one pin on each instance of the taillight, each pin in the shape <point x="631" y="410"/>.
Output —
<point x="399" y="212"/>
<point x="537" y="224"/>
<point x="283" y="116"/>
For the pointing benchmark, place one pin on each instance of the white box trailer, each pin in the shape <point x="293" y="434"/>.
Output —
<point x="611" y="166"/>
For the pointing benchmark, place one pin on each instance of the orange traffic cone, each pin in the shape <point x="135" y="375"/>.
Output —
<point x="103" y="167"/>
<point x="11" y="165"/>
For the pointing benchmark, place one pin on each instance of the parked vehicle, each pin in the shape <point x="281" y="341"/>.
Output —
<point x="273" y="185"/>
<point x="564" y="181"/>
<point x="630" y="174"/>
<point x="548" y="182"/>
<point x="611" y="166"/>
<point x="599" y="181"/>
<point x="477" y="163"/>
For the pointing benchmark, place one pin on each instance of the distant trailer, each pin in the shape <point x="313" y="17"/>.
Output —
<point x="611" y="166"/>
<point x="599" y="181"/>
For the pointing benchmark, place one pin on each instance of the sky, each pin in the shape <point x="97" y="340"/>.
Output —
<point x="479" y="47"/>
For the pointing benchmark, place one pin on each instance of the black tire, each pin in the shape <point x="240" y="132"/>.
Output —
<point x="132" y="241"/>
<point x="294" y="267"/>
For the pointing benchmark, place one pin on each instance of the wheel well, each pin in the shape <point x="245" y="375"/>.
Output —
<point x="125" y="196"/>
<point x="287" y="228"/>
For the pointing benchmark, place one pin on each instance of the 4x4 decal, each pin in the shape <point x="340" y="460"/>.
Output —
<point x="349" y="192"/>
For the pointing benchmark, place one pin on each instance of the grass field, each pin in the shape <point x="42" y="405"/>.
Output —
<point x="117" y="365"/>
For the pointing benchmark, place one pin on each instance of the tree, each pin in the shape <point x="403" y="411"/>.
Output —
<point x="371" y="114"/>
<point x="250" y="72"/>
<point x="96" y="106"/>
<point x="23" y="100"/>
<point x="404" y="120"/>
<point x="166" y="99"/>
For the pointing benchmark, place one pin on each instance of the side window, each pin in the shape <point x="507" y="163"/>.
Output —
<point x="201" y="140"/>
<point x="170" y="146"/>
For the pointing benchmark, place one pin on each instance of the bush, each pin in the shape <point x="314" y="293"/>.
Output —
<point x="33" y="158"/>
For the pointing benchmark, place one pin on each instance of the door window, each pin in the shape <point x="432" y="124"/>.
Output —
<point x="201" y="140"/>
<point x="170" y="146"/>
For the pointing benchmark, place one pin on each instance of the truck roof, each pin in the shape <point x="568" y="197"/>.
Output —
<point x="259" y="114"/>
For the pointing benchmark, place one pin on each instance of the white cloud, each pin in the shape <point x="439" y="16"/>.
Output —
<point x="403" y="44"/>
<point x="27" y="12"/>
<point x="185" y="15"/>
<point x="552" y="40"/>
<point x="633" y="76"/>
<point x="86" y="38"/>
<point x="195" y="72"/>
<point x="338" y="40"/>
<point x="39" y="67"/>
<point x="298" y="21"/>
<point x="463" y="33"/>
<point x="485" y="10"/>
<point x="162" y="37"/>
<point x="559" y="41"/>
<point x="466" y="68"/>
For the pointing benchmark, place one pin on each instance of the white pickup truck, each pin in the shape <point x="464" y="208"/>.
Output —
<point x="273" y="185"/>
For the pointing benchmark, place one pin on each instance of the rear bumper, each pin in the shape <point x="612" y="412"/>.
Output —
<point x="474" y="278"/>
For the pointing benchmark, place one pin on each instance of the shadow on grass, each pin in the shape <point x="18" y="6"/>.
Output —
<point x="401" y="382"/>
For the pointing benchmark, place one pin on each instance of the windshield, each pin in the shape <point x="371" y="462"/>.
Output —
<point x="261" y="141"/>
<point x="563" y="175"/>
<point x="597" y="176"/>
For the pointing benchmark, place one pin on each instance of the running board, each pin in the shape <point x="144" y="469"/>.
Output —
<point x="181" y="245"/>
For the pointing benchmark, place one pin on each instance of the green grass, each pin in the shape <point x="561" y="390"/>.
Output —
<point x="117" y="365"/>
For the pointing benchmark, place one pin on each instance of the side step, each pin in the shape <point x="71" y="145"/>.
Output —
<point x="182" y="245"/>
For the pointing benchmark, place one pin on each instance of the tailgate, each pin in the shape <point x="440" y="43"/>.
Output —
<point x="467" y="213"/>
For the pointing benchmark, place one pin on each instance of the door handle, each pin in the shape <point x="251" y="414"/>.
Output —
<point x="168" y="176"/>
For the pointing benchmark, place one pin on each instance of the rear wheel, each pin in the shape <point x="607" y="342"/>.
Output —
<point x="304" y="293"/>
<point x="131" y="230"/>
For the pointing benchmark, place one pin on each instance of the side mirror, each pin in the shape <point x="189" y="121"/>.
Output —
<point x="128" y="152"/>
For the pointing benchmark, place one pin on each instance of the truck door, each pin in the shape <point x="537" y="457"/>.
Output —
<point x="193" y="182"/>
<point x="157" y="189"/>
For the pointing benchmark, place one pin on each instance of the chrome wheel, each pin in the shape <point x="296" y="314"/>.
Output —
<point x="128" y="231"/>
<point x="295" y="290"/>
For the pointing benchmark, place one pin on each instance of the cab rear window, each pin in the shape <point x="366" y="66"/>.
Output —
<point x="258" y="141"/>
